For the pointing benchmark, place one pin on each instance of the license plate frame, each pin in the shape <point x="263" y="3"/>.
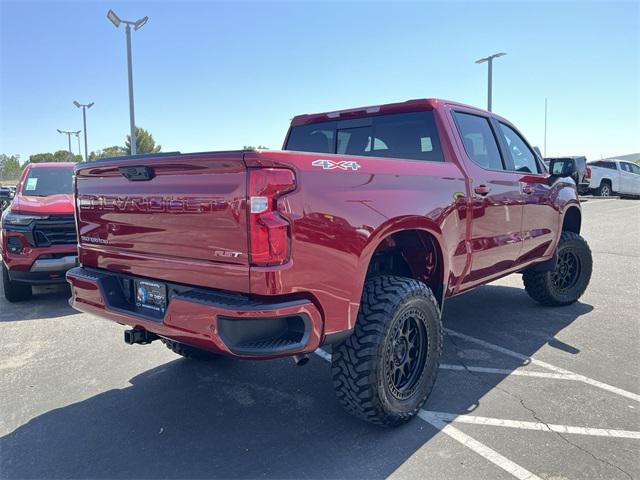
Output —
<point x="150" y="296"/>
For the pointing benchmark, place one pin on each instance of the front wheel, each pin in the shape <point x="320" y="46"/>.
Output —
<point x="566" y="283"/>
<point x="14" y="291"/>
<point x="385" y="371"/>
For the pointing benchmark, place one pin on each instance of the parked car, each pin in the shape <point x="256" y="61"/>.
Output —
<point x="38" y="240"/>
<point x="609" y="177"/>
<point x="7" y="192"/>
<point x="354" y="235"/>
<point x="582" y="177"/>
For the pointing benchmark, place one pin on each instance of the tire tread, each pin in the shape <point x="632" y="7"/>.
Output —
<point x="354" y="361"/>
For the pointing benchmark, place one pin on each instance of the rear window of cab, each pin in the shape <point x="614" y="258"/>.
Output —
<point x="411" y="136"/>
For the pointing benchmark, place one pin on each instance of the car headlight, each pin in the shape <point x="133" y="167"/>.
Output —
<point x="10" y="218"/>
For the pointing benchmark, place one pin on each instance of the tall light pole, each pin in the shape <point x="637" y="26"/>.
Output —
<point x="68" y="133"/>
<point x="84" y="122"/>
<point x="490" y="79"/>
<point x="545" y="127"/>
<point x="137" y="25"/>
<point x="78" y="137"/>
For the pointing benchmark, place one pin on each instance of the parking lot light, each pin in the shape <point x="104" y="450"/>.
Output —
<point x="68" y="133"/>
<point x="137" y="25"/>
<point x="489" y="59"/>
<point x="84" y="108"/>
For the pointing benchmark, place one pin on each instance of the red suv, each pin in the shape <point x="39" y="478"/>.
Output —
<point x="38" y="239"/>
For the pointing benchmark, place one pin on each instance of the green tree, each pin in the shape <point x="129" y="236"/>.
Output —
<point x="41" y="157"/>
<point x="59" y="156"/>
<point x="144" y="142"/>
<point x="113" y="151"/>
<point x="10" y="168"/>
<point x="251" y="147"/>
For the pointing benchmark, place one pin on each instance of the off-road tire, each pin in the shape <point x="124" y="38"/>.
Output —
<point x="187" y="351"/>
<point x="604" y="190"/>
<point x="360" y="364"/>
<point x="14" y="291"/>
<point x="542" y="287"/>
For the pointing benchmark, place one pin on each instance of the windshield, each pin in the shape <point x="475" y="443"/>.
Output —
<point x="45" y="181"/>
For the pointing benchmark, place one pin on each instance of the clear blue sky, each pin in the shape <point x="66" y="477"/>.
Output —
<point x="214" y="75"/>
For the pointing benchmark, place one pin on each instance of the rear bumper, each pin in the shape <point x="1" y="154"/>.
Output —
<point x="234" y="325"/>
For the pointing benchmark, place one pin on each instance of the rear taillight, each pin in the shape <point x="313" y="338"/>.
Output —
<point x="588" y="172"/>
<point x="269" y="232"/>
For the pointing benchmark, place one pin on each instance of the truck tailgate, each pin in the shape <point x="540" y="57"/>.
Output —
<point x="168" y="217"/>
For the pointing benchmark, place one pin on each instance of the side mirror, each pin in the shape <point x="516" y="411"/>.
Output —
<point x="562" y="167"/>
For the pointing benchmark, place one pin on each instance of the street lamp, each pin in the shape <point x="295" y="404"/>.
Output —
<point x="490" y="60"/>
<point x="68" y="133"/>
<point x="78" y="137"/>
<point x="84" y="121"/>
<point x="137" y="25"/>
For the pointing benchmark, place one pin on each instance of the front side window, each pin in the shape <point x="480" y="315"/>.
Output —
<point x="479" y="141"/>
<point x="44" y="181"/>
<point x="635" y="168"/>
<point x="411" y="136"/>
<point x="524" y="160"/>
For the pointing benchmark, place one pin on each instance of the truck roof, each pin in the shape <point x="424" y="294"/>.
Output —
<point x="399" y="107"/>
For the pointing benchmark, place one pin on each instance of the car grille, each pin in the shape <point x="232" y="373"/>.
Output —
<point x="60" y="230"/>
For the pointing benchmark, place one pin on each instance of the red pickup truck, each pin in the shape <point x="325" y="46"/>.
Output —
<point x="38" y="236"/>
<point x="353" y="235"/>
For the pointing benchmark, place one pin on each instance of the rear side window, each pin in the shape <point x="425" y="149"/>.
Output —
<point x="408" y="136"/>
<point x="43" y="181"/>
<point x="524" y="160"/>
<point x="479" y="141"/>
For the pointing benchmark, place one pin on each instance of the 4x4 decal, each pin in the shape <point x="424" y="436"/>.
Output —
<point x="330" y="164"/>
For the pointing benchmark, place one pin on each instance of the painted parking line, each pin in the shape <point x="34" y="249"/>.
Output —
<point x="322" y="354"/>
<point x="480" y="448"/>
<point x="545" y="427"/>
<point x="548" y="366"/>
<point x="593" y="201"/>
<point x="504" y="371"/>
<point x="471" y="443"/>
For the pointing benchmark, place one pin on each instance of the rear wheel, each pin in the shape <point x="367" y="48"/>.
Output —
<point x="566" y="283"/>
<point x="190" y="352"/>
<point x="14" y="291"/>
<point x="604" y="190"/>
<point x="384" y="372"/>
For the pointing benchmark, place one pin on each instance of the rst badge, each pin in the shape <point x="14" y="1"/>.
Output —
<point x="330" y="164"/>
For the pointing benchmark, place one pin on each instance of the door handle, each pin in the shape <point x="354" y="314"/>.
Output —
<point x="482" y="190"/>
<point x="528" y="189"/>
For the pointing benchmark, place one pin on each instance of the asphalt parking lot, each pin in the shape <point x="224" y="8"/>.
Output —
<point x="524" y="391"/>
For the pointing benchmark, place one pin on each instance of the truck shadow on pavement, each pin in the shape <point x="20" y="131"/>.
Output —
<point x="234" y="419"/>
